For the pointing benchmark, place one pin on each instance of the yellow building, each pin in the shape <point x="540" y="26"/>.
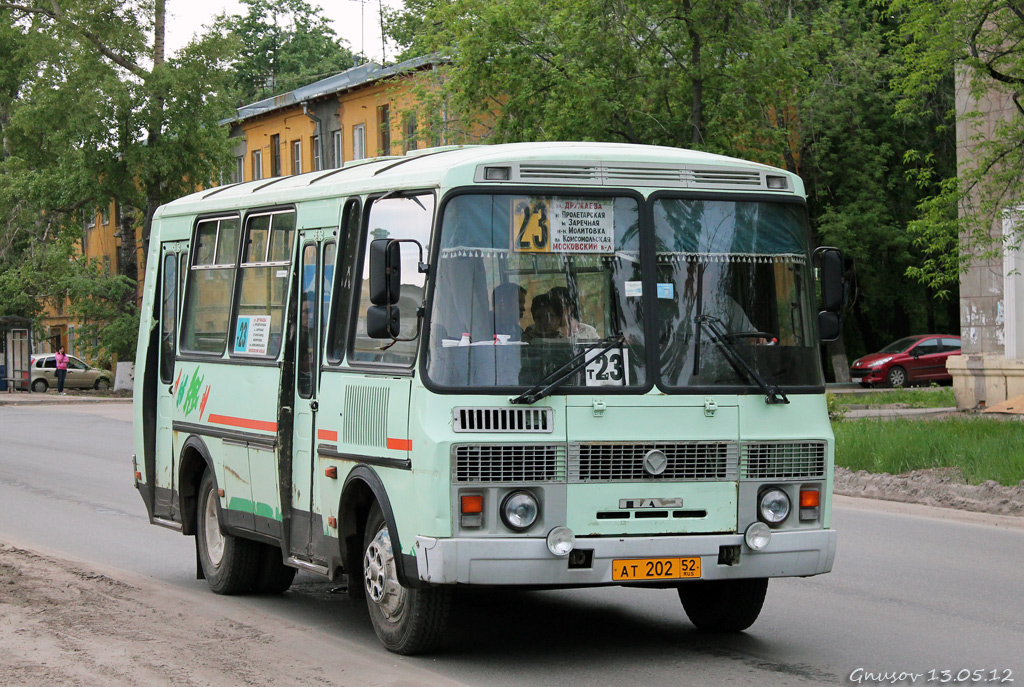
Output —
<point x="366" y="111"/>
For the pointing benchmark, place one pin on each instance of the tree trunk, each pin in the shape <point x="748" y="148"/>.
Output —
<point x="840" y="363"/>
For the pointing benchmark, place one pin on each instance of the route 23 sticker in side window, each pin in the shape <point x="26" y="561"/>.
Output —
<point x="563" y="225"/>
<point x="607" y="368"/>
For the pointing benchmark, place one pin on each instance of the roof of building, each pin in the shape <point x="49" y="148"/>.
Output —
<point x="362" y="75"/>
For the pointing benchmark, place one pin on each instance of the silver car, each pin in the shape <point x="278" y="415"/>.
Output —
<point x="80" y="375"/>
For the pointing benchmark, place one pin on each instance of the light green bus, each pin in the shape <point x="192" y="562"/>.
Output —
<point x="543" y="365"/>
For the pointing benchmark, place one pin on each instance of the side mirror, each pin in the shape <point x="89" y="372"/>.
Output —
<point x="382" y="322"/>
<point x="832" y="292"/>
<point x="828" y="326"/>
<point x="385" y="272"/>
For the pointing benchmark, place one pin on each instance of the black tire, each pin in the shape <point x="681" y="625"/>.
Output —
<point x="230" y="564"/>
<point x="723" y="605"/>
<point x="40" y="386"/>
<point x="101" y="384"/>
<point x="896" y="377"/>
<point x="407" y="621"/>
<point x="274" y="576"/>
<point x="865" y="385"/>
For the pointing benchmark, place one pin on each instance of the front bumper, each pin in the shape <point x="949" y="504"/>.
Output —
<point x="521" y="561"/>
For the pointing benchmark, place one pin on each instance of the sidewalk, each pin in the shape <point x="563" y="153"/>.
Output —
<point x="31" y="398"/>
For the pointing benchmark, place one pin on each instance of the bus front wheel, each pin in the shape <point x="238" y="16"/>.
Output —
<point x="230" y="564"/>
<point x="407" y="621"/>
<point x="723" y="605"/>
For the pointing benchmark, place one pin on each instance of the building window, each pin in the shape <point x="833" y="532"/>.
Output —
<point x="410" y="132"/>
<point x="314" y="145"/>
<point x="296" y="157"/>
<point x="358" y="141"/>
<point x="240" y="169"/>
<point x="384" y="124"/>
<point x="89" y="219"/>
<point x="257" y="165"/>
<point x="337" y="149"/>
<point x="105" y="215"/>
<point x="275" y="155"/>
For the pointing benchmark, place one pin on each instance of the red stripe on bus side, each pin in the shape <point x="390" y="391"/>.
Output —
<point x="326" y="435"/>
<point x="399" y="444"/>
<point x="242" y="422"/>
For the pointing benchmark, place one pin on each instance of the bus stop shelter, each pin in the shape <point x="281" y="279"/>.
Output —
<point x="15" y="353"/>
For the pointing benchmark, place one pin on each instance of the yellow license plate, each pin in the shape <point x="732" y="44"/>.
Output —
<point x="633" y="569"/>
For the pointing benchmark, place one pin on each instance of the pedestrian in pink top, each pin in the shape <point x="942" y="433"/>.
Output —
<point x="62" y="369"/>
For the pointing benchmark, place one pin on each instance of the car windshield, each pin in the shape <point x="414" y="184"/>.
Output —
<point x="526" y="282"/>
<point x="739" y="269"/>
<point x="901" y="345"/>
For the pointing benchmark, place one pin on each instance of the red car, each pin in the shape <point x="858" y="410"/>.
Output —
<point x="912" y="360"/>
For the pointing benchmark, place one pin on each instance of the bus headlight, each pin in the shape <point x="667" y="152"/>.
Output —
<point x="519" y="510"/>
<point x="757" y="536"/>
<point x="561" y="541"/>
<point x="773" y="506"/>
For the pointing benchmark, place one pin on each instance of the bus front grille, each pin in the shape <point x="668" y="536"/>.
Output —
<point x="782" y="460"/>
<point x="626" y="462"/>
<point x="502" y="463"/>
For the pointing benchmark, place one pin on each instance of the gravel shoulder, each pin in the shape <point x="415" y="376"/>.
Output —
<point x="62" y="623"/>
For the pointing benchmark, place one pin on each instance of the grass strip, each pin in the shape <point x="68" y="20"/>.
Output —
<point x="983" y="448"/>
<point x="912" y="398"/>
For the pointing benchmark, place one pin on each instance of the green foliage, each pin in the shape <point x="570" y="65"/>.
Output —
<point x="984" y="449"/>
<point x="804" y="85"/>
<point x="281" y="45"/>
<point x="104" y="307"/>
<point x="836" y="410"/>
<point x="980" y="43"/>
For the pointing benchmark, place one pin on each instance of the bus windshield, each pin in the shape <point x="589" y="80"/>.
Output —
<point x="526" y="282"/>
<point x="733" y="282"/>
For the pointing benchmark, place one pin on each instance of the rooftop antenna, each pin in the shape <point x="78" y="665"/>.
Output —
<point x="362" y="27"/>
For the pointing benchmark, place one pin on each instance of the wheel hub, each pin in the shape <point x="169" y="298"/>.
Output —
<point x="380" y="577"/>
<point x="211" y="527"/>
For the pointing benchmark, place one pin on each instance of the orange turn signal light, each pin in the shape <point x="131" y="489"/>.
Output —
<point x="331" y="472"/>
<point x="809" y="499"/>
<point x="473" y="503"/>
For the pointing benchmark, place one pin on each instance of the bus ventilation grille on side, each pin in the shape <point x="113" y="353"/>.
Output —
<point x="529" y="420"/>
<point x="366" y="415"/>
<point x="483" y="463"/>
<point x="782" y="460"/>
<point x="622" y="462"/>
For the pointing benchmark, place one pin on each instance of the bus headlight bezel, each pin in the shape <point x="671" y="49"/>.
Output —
<point x="514" y="519"/>
<point x="773" y="506"/>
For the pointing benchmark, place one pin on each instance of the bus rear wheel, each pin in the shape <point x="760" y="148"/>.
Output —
<point x="407" y="621"/>
<point x="230" y="564"/>
<point x="723" y="605"/>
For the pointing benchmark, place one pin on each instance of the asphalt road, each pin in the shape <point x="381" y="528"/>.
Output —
<point x="914" y="589"/>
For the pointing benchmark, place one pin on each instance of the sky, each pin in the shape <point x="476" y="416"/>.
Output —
<point x="354" y="21"/>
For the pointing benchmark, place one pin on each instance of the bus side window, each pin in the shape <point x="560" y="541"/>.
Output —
<point x="207" y="301"/>
<point x="408" y="217"/>
<point x="263" y="284"/>
<point x="169" y="317"/>
<point x="343" y="282"/>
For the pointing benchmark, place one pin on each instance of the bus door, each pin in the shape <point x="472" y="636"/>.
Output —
<point x="171" y="257"/>
<point x="316" y="272"/>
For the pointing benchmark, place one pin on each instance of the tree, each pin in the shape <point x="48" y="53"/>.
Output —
<point x="90" y="111"/>
<point x="803" y="85"/>
<point x="978" y="43"/>
<point x="283" y="44"/>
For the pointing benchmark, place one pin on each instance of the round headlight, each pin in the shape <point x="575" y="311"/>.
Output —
<point x="519" y="510"/>
<point x="757" y="536"/>
<point x="773" y="506"/>
<point x="561" y="541"/>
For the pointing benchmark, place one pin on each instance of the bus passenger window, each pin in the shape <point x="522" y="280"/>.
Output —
<point x="263" y="284"/>
<point x="208" y="294"/>
<point x="396" y="218"/>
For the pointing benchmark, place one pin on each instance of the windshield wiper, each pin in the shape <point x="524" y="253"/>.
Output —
<point x="570" y="367"/>
<point x="721" y="336"/>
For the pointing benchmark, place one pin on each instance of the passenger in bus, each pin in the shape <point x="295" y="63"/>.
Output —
<point x="509" y="308"/>
<point x="571" y="325"/>
<point x="548" y="317"/>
